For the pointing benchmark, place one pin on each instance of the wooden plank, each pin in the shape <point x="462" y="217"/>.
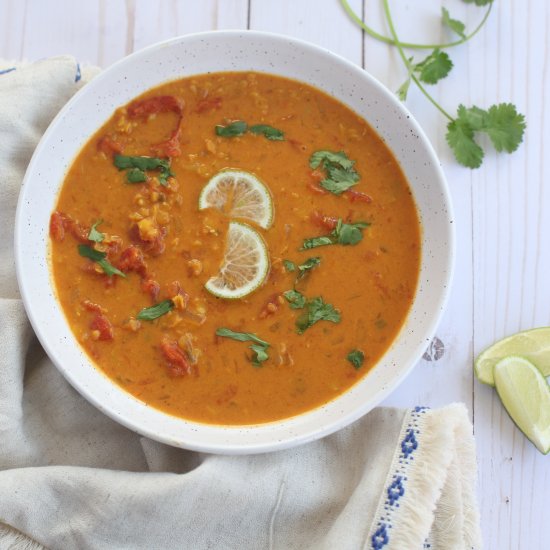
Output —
<point x="93" y="32"/>
<point x="156" y="21"/>
<point x="511" y="264"/>
<point x="323" y="23"/>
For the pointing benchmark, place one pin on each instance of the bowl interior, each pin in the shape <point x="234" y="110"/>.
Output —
<point x="232" y="51"/>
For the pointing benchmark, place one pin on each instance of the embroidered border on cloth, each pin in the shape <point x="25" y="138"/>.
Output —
<point x="396" y="485"/>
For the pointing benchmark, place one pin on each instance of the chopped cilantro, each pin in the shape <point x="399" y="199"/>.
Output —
<point x="95" y="235"/>
<point x="137" y="166"/>
<point x="316" y="310"/>
<point x="237" y="128"/>
<point x="259" y="346"/>
<point x="303" y="269"/>
<point x="289" y="266"/>
<point x="339" y="170"/>
<point x="295" y="299"/>
<point x="267" y="131"/>
<point x="356" y="358"/>
<point x="100" y="258"/>
<point x="156" y="311"/>
<point x="344" y="234"/>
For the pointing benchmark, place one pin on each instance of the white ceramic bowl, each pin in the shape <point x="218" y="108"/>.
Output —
<point x="232" y="51"/>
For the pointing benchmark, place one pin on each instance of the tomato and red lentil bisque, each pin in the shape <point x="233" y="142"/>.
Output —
<point x="235" y="248"/>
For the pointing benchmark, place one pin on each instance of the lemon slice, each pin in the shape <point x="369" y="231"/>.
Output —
<point x="245" y="263"/>
<point x="239" y="195"/>
<point x="532" y="344"/>
<point x="525" y="394"/>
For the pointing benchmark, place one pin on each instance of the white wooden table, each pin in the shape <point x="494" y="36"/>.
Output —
<point x="502" y="279"/>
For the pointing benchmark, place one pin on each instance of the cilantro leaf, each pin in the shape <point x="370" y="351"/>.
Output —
<point x="460" y="138"/>
<point x="454" y="24"/>
<point x="344" y="234"/>
<point x="237" y="128"/>
<point x="289" y="266"/>
<point x="316" y="310"/>
<point x="137" y="166"/>
<point x="314" y="242"/>
<point x="135" y="175"/>
<point x="349" y="233"/>
<point x="339" y="170"/>
<point x="356" y="358"/>
<point x="505" y="127"/>
<point x="435" y="67"/>
<point x="259" y="346"/>
<point x="100" y="258"/>
<point x="295" y="299"/>
<point x="478" y="2"/>
<point x="95" y="235"/>
<point x="267" y="131"/>
<point x="156" y="311"/>
<point x="403" y="90"/>
<point x="261" y="354"/>
<point x="502" y="123"/>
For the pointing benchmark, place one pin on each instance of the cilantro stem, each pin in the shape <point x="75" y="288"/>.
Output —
<point x="411" y="45"/>
<point x="408" y="64"/>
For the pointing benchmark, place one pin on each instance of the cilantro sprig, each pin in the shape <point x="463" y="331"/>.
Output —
<point x="258" y="346"/>
<point x="344" y="233"/>
<point x="501" y="122"/>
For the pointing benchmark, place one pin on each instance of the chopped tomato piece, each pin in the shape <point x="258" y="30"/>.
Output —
<point x="151" y="287"/>
<point x="170" y="147"/>
<point x="57" y="227"/>
<point x="154" y="105"/>
<point x="321" y="220"/>
<point x="132" y="259"/>
<point x="178" y="362"/>
<point x="109" y="146"/>
<point x="60" y="223"/>
<point x="316" y="188"/>
<point x="91" y="306"/>
<point x="161" y="104"/>
<point x="103" y="326"/>
<point x="357" y="196"/>
<point x="208" y="104"/>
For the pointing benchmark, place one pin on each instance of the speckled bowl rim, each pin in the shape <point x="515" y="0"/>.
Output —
<point x="230" y="51"/>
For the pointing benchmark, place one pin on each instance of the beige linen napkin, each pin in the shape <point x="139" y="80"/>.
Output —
<point x="71" y="478"/>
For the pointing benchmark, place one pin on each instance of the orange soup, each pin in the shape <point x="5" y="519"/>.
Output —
<point x="235" y="248"/>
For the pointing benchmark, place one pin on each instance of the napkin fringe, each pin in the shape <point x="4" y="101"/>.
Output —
<point x="13" y="539"/>
<point x="430" y="445"/>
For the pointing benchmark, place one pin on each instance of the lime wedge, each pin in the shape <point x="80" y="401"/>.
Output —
<point x="532" y="344"/>
<point x="239" y="195"/>
<point x="525" y="394"/>
<point x="245" y="264"/>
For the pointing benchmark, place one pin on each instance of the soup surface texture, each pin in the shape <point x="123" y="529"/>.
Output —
<point x="267" y="297"/>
